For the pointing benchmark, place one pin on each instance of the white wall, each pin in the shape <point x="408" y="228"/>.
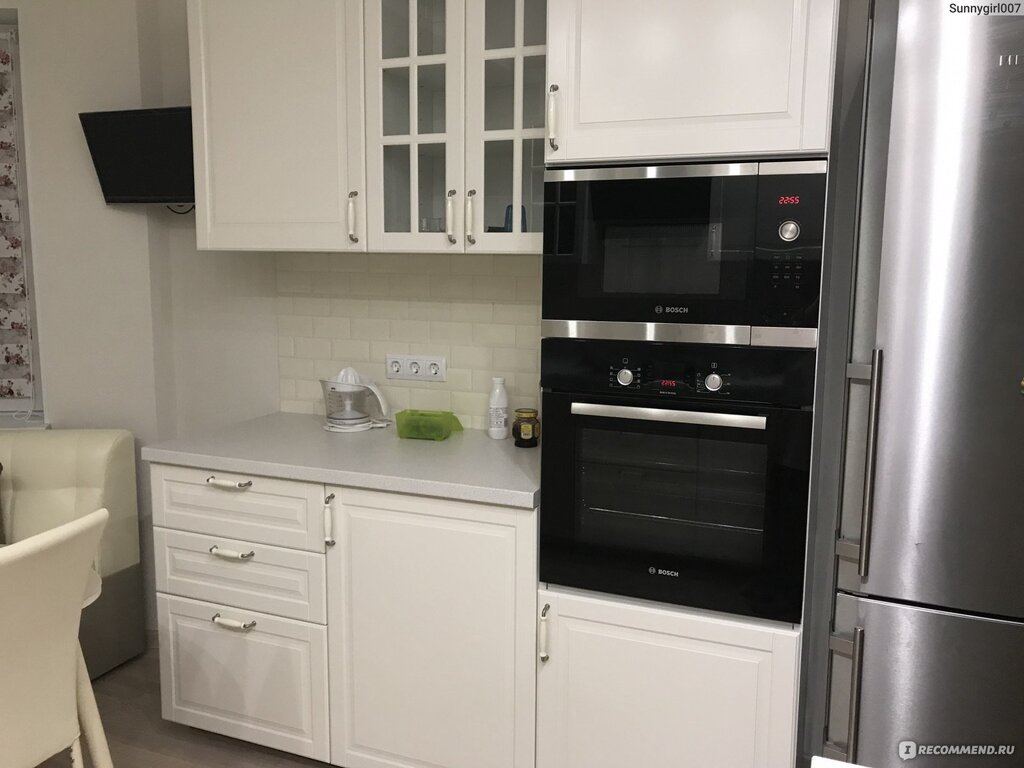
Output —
<point x="136" y="328"/>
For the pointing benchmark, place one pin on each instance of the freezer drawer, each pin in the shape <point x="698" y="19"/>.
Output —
<point x="931" y="678"/>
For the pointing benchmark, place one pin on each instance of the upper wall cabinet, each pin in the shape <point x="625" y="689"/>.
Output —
<point x="455" y="124"/>
<point x="277" y="94"/>
<point x="688" y="78"/>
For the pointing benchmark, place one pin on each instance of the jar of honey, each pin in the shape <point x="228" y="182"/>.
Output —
<point x="526" y="428"/>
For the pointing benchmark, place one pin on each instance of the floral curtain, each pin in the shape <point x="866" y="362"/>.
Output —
<point x="16" y="377"/>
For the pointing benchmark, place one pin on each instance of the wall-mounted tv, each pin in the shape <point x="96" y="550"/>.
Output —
<point x="142" y="155"/>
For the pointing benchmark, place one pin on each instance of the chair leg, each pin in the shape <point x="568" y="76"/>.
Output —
<point x="89" y="719"/>
<point x="76" y="754"/>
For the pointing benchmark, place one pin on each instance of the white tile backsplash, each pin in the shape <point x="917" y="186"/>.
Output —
<point x="481" y="311"/>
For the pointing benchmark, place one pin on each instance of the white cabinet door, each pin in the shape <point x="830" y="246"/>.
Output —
<point x="277" y="91"/>
<point x="631" y="684"/>
<point x="431" y="607"/>
<point x="505" y="84"/>
<point x="688" y="78"/>
<point x="414" y="124"/>
<point x="266" y="684"/>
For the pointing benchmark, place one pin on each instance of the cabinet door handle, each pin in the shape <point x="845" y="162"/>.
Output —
<point x="352" y="216"/>
<point x="230" y="554"/>
<point x="469" y="217"/>
<point x="238" y="626"/>
<point x="542" y="640"/>
<point x="552" y="118"/>
<point x="449" y="216"/>
<point x="329" y="521"/>
<point x="228" y="485"/>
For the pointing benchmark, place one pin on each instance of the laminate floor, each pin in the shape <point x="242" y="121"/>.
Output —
<point x="129" y="704"/>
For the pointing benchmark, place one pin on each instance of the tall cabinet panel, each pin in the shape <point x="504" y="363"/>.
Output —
<point x="277" y="129"/>
<point x="505" y="82"/>
<point x="687" y="78"/>
<point x="414" y="124"/>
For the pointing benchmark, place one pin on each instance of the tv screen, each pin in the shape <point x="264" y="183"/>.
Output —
<point x="142" y="155"/>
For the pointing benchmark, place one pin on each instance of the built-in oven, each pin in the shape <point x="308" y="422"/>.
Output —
<point x="677" y="472"/>
<point x="725" y="253"/>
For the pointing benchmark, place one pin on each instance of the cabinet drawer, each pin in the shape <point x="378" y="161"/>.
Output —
<point x="262" y="510"/>
<point x="266" y="685"/>
<point x="283" y="582"/>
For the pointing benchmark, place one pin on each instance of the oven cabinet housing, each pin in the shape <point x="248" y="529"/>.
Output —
<point x="432" y="646"/>
<point x="277" y="122"/>
<point x="455" y="125"/>
<point x="629" y="683"/>
<point x="688" y="78"/>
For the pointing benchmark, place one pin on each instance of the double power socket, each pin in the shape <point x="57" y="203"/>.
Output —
<point x="415" y="367"/>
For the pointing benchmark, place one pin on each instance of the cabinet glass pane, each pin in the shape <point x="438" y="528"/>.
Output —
<point x="499" y="82"/>
<point x="396" y="188"/>
<point x="395" y="100"/>
<point x="533" y="184"/>
<point x="431" y="188"/>
<point x="533" y="91"/>
<point x="429" y="27"/>
<point x="430" y="98"/>
<point x="498" y="171"/>
<point x="535" y="22"/>
<point x="499" y="24"/>
<point x="394" y="28"/>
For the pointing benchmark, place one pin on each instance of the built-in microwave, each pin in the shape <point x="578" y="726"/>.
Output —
<point x="720" y="253"/>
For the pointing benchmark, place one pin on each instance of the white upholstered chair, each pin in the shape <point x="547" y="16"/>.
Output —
<point x="43" y="581"/>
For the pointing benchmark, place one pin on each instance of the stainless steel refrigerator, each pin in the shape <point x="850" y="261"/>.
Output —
<point x="915" y="599"/>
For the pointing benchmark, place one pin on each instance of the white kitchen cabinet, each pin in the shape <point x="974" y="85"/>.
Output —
<point x="277" y="112"/>
<point x="455" y="125"/>
<point x="629" y="683"/>
<point x="247" y="675"/>
<point x="431" y="632"/>
<point x="688" y="78"/>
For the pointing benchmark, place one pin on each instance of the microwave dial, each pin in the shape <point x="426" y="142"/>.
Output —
<point x="789" y="230"/>
<point x="624" y="377"/>
<point x="713" y="382"/>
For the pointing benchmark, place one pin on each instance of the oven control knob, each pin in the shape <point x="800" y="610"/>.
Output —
<point x="713" y="382"/>
<point x="624" y="377"/>
<point x="789" y="230"/>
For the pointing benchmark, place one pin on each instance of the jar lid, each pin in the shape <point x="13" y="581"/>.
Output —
<point x="529" y="413"/>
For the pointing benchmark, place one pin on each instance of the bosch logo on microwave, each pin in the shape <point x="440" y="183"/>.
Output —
<point x="662" y="572"/>
<point x="671" y="310"/>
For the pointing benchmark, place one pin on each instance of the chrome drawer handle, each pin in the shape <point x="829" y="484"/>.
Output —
<point x="542" y="641"/>
<point x="230" y="554"/>
<point x="232" y="624"/>
<point x="227" y="485"/>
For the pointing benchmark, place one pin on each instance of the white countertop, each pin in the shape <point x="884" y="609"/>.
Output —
<point x="468" y="465"/>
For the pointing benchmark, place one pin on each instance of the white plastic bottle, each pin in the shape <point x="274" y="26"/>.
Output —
<point x="498" y="410"/>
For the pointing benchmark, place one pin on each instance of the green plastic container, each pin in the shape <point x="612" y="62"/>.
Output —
<point x="426" y="425"/>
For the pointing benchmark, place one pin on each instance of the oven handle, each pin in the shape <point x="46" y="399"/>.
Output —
<point x="700" y="418"/>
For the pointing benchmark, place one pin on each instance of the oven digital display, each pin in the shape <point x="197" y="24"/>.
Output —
<point x="789" y="200"/>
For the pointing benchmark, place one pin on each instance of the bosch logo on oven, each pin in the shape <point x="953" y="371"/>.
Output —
<point x="671" y="310"/>
<point x="662" y="572"/>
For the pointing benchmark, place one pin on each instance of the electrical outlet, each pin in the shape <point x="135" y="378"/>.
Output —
<point x="416" y="367"/>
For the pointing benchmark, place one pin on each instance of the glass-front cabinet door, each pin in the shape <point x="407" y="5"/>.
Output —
<point x="414" y="124"/>
<point x="505" y="109"/>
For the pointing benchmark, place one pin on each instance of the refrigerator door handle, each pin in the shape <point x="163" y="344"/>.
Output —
<point x="855" y="650"/>
<point x="845" y="548"/>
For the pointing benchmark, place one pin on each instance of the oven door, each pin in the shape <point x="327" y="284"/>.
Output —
<point x="667" y="248"/>
<point x="696" y="506"/>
